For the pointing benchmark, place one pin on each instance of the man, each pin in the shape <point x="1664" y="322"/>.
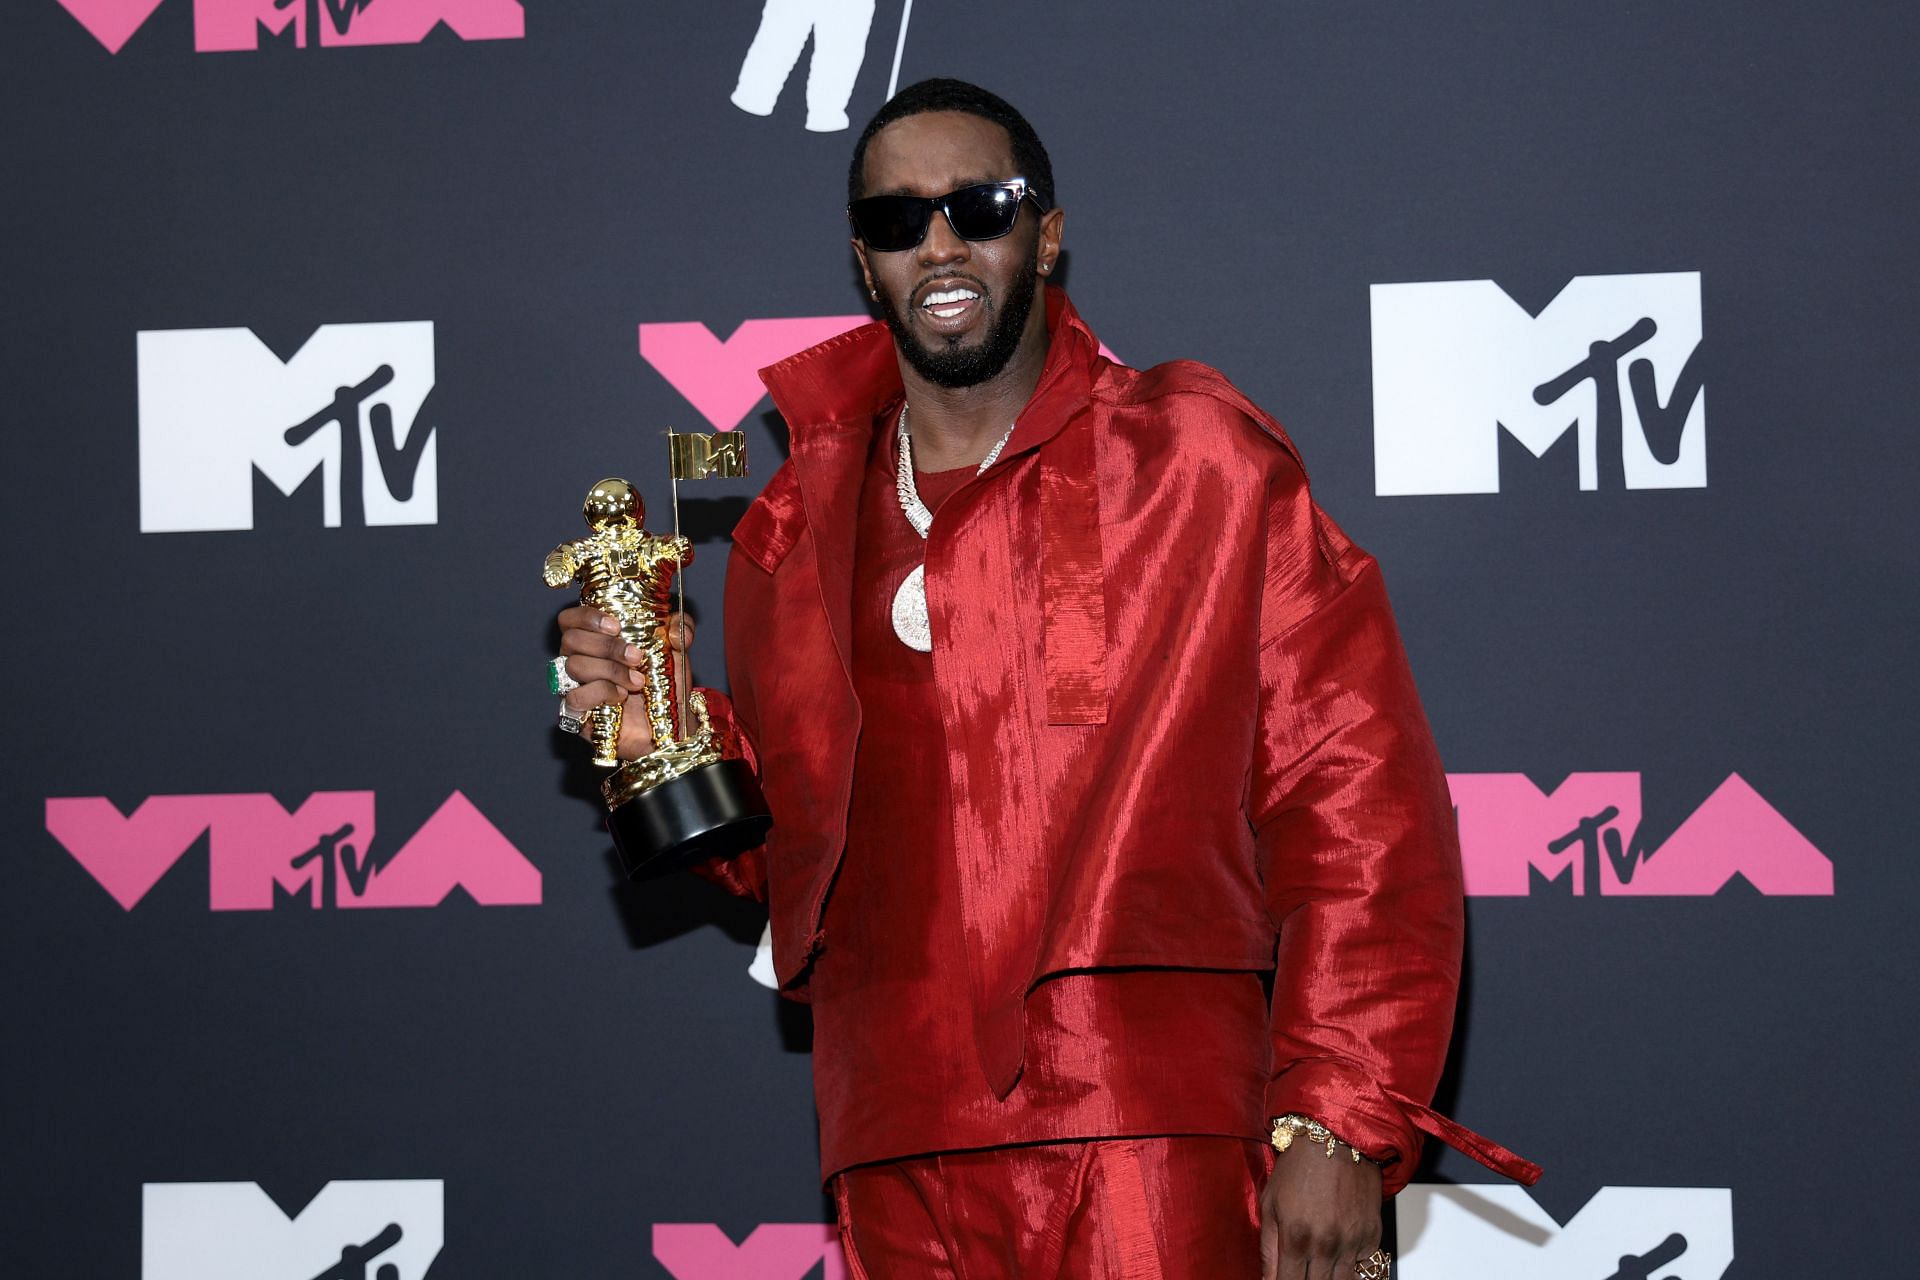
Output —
<point x="1071" y="707"/>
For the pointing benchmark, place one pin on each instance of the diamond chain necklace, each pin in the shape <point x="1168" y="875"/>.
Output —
<point x="910" y="620"/>
<point x="916" y="511"/>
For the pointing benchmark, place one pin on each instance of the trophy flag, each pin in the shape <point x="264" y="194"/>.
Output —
<point x="693" y="455"/>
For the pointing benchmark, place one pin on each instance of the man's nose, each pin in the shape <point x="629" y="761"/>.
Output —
<point x="942" y="246"/>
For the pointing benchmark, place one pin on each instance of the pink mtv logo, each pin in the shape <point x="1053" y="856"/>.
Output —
<point x="1586" y="834"/>
<point x="774" y="1251"/>
<point x="722" y="379"/>
<point x="258" y="852"/>
<point x="239" y="24"/>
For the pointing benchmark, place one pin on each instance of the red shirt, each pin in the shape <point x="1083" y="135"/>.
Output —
<point x="896" y="1067"/>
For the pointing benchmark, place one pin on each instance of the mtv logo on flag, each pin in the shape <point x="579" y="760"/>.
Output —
<point x="216" y="405"/>
<point x="1614" y="359"/>
<point x="234" y="1231"/>
<point x="1452" y="1232"/>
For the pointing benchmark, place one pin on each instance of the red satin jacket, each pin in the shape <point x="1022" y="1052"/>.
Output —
<point x="1180" y="728"/>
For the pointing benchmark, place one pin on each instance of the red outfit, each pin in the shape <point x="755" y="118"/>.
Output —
<point x="1175" y="713"/>
<point x="1137" y="1209"/>
<point x="895" y="1067"/>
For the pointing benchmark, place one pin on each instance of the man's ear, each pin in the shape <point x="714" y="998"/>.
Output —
<point x="866" y="268"/>
<point x="1047" y="251"/>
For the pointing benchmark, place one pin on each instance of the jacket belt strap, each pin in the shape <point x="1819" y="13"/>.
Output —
<point x="1467" y="1142"/>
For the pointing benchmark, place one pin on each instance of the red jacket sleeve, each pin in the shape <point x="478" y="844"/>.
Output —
<point x="1358" y="852"/>
<point x="744" y="873"/>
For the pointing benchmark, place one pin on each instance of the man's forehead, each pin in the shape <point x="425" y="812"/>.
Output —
<point x="936" y="152"/>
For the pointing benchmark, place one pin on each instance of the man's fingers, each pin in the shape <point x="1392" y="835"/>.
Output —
<point x="590" y="670"/>
<point x="591" y="644"/>
<point x="1367" y="1236"/>
<point x="680" y="638"/>
<point x="577" y="640"/>
<point x="1343" y="1262"/>
<point x="582" y="617"/>
<point x="611" y="671"/>
<point x="680" y="635"/>
<point x="596" y="693"/>
<point x="1307" y="1253"/>
<point x="680" y="632"/>
<point x="1286" y="1254"/>
<point x="594" y="634"/>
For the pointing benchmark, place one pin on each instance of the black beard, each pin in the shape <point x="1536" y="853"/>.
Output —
<point x="951" y="366"/>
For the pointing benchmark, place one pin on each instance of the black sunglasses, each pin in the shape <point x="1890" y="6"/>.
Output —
<point x="985" y="212"/>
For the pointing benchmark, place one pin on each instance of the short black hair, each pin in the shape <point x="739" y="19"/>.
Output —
<point x="1029" y="156"/>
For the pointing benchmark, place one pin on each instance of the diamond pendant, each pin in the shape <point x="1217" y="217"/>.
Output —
<point x="910" y="612"/>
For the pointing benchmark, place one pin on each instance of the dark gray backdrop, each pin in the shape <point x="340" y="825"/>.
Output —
<point x="1236" y="177"/>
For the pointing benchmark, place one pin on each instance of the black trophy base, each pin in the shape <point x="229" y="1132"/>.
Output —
<point x="713" y="811"/>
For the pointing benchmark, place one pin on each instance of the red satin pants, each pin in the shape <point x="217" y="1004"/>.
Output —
<point x="1183" y="1208"/>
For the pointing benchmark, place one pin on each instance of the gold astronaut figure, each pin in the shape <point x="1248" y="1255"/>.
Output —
<point x="627" y="573"/>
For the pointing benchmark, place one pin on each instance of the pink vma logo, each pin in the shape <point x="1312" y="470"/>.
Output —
<point x="225" y="25"/>
<point x="774" y="1251"/>
<point x="722" y="378"/>
<point x="260" y="856"/>
<point x="1584" y="836"/>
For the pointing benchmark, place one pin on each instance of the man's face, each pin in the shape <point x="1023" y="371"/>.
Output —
<point x="953" y="341"/>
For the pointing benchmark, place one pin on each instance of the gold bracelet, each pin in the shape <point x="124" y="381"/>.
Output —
<point x="1292" y="1125"/>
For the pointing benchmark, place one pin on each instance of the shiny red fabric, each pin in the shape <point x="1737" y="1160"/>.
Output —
<point x="1177" y="718"/>
<point x="896" y="1070"/>
<point x="1148" y="1209"/>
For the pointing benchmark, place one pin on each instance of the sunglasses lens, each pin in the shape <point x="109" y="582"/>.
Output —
<point x="982" y="213"/>
<point x="891" y="223"/>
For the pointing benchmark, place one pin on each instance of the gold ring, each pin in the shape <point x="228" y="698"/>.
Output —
<point x="1377" y="1265"/>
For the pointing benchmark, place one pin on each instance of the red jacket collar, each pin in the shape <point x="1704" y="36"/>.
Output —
<point x="831" y="397"/>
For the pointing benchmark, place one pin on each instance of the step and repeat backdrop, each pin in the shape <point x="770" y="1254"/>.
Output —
<point x="1593" y="320"/>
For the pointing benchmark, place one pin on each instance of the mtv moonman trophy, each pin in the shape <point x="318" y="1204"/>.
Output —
<point x="680" y="803"/>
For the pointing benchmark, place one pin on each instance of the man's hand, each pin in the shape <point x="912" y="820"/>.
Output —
<point x="1318" y="1216"/>
<point x="609" y="671"/>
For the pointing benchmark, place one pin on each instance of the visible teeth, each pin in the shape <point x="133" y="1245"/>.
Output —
<point x="943" y="297"/>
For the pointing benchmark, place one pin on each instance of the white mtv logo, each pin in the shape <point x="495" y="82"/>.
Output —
<point x="233" y="1231"/>
<point x="1622" y="1233"/>
<point x="215" y="404"/>
<point x="1611" y="357"/>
